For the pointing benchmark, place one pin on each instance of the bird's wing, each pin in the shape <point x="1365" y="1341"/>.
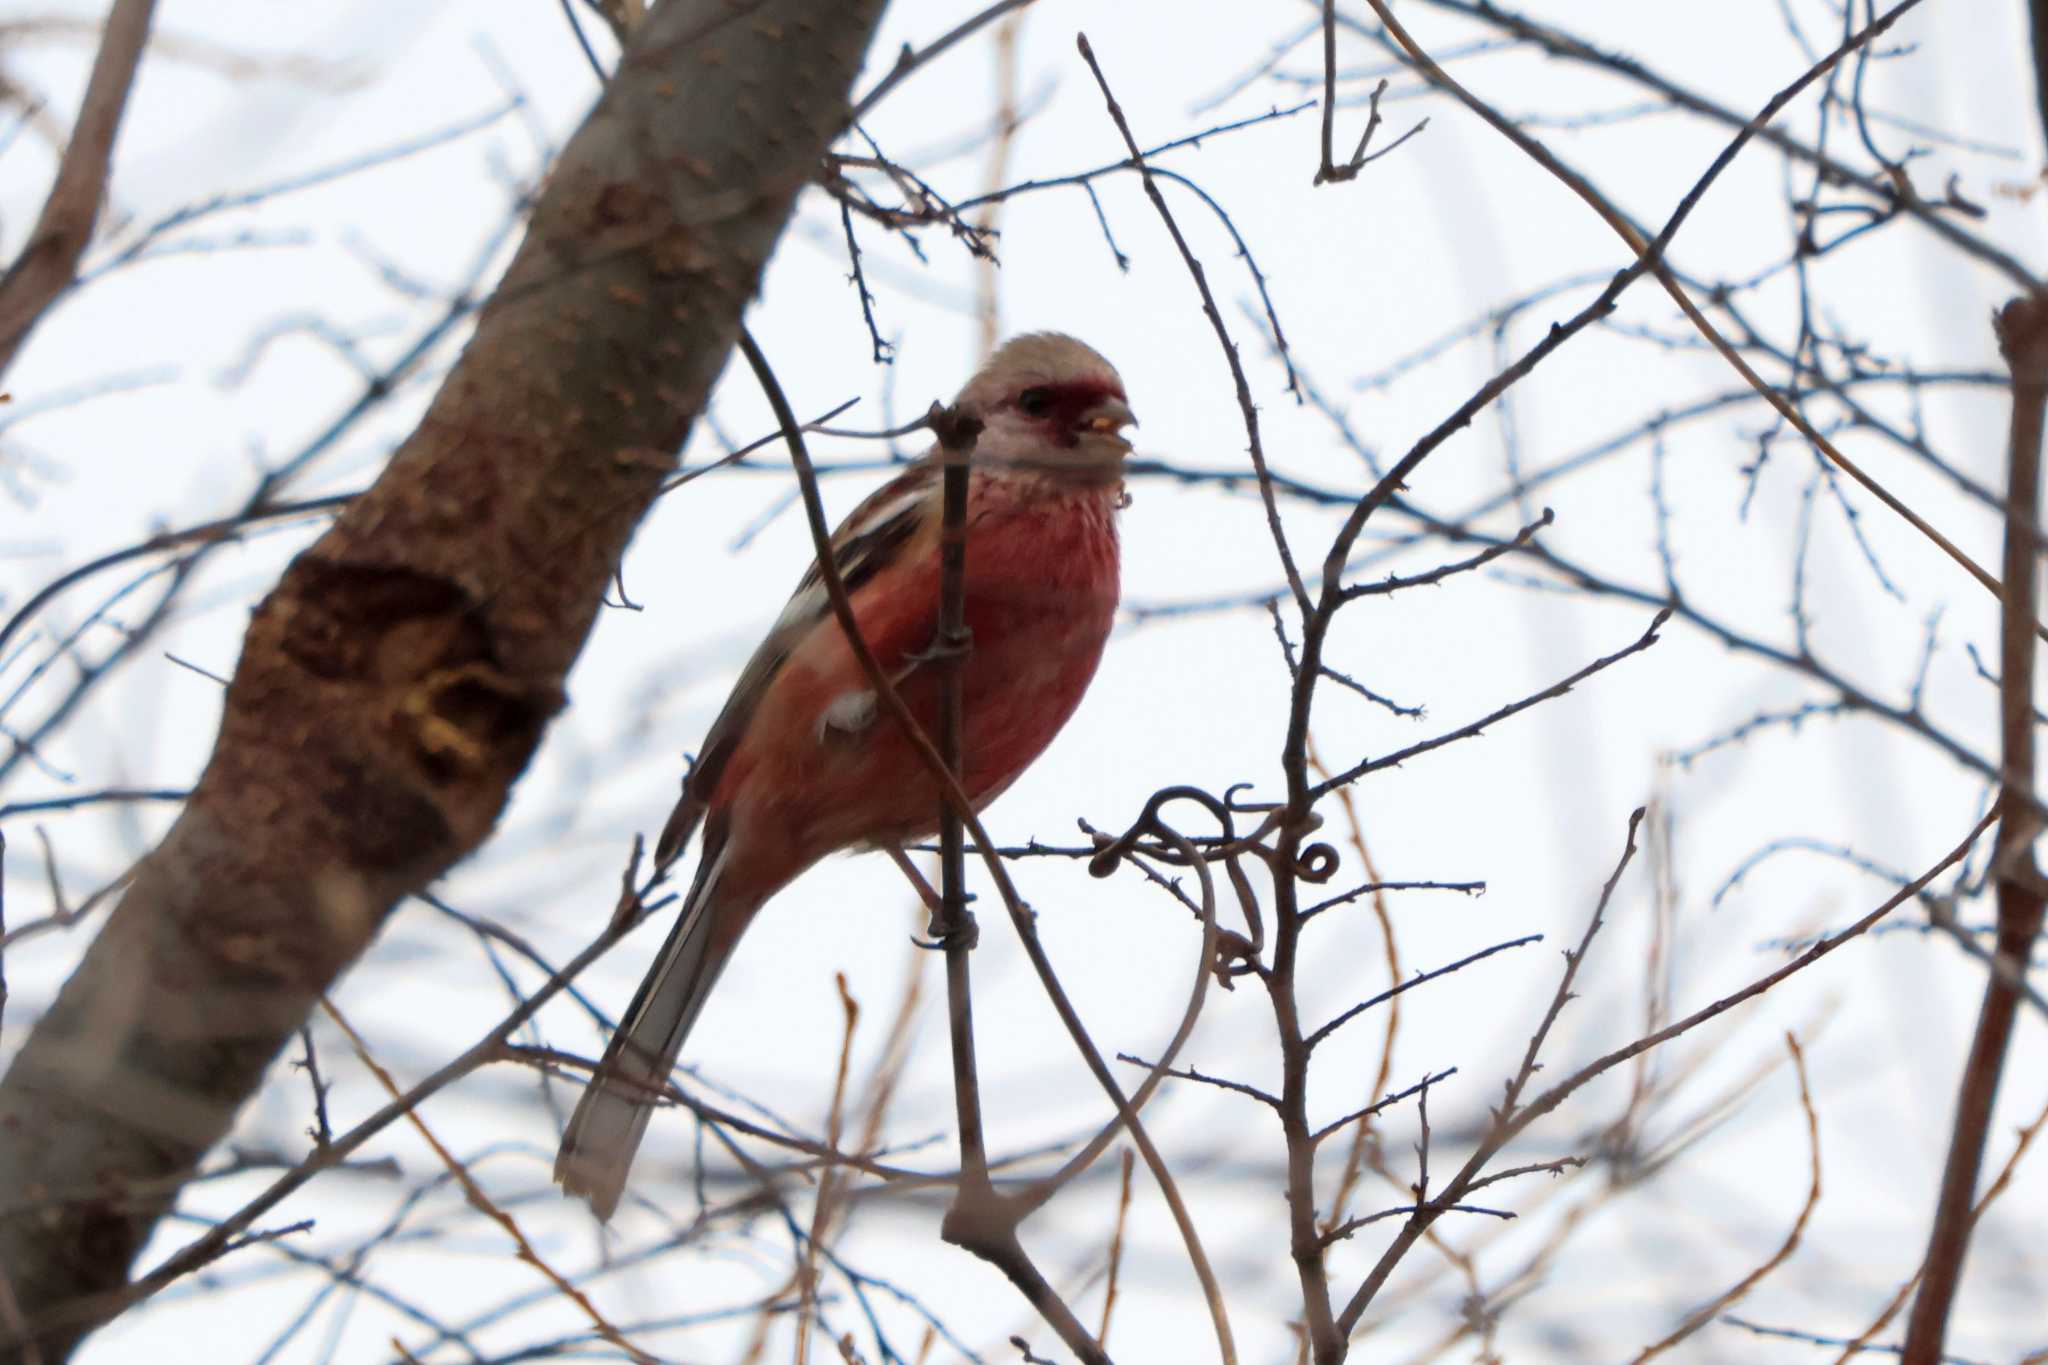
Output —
<point x="866" y="543"/>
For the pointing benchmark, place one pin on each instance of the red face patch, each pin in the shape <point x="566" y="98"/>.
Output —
<point x="1060" y="408"/>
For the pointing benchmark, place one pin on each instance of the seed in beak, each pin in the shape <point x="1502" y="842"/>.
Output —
<point x="1111" y="415"/>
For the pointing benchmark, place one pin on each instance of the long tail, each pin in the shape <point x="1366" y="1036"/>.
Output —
<point x="597" y="1149"/>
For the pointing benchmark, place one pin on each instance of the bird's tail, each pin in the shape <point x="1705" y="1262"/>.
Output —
<point x="598" y="1146"/>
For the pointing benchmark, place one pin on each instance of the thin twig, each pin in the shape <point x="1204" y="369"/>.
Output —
<point x="909" y="59"/>
<point x="474" y="1192"/>
<point x="1418" y="979"/>
<point x="1023" y="1274"/>
<point x="1557" y="689"/>
<point x="1650" y="252"/>
<point x="1394" y="583"/>
<point x="1209" y="310"/>
<point x="1507" y="1131"/>
<point x="1116" y="1248"/>
<point x="1707" y="1314"/>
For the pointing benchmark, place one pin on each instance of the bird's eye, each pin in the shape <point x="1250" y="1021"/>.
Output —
<point x="1035" y="402"/>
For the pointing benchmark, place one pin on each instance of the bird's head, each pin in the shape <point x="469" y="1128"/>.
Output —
<point x="1048" y="402"/>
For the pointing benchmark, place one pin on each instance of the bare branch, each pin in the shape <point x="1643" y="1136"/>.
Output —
<point x="2022" y="894"/>
<point x="49" y="261"/>
<point x="1741" y="1288"/>
<point x="1209" y="310"/>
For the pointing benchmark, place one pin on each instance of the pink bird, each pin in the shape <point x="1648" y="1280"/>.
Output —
<point x="803" y="762"/>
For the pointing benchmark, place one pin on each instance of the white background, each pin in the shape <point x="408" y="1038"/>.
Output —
<point x="1450" y="226"/>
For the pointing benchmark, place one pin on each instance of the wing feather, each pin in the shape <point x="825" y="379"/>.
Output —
<point x="866" y="544"/>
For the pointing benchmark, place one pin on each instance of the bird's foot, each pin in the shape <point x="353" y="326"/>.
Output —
<point x="950" y="932"/>
<point x="944" y="646"/>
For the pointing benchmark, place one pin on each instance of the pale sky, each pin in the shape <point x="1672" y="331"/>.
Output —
<point x="1447" y="228"/>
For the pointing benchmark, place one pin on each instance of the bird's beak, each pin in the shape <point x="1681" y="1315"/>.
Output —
<point x="1109" y="418"/>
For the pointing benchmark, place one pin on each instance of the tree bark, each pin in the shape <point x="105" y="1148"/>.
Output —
<point x="396" y="681"/>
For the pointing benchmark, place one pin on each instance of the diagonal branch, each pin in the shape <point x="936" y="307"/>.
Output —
<point x="1558" y="689"/>
<point x="1244" y="394"/>
<point x="1561" y="45"/>
<point x="49" y="262"/>
<point x="1650" y="253"/>
<point x="1514" y="1122"/>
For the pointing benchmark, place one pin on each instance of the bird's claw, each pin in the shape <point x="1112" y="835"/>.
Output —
<point x="962" y="932"/>
<point x="944" y="647"/>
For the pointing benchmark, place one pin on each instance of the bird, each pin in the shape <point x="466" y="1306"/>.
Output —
<point x="803" y="762"/>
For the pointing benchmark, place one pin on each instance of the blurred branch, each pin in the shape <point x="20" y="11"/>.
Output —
<point x="2037" y="14"/>
<point x="1997" y="1187"/>
<point x="376" y="391"/>
<point x="1741" y="1288"/>
<point x="49" y="260"/>
<point x="1512" y="1121"/>
<point x="632" y="909"/>
<point x="476" y="1195"/>
<point x="910" y="59"/>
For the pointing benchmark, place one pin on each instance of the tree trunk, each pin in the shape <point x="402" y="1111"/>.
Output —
<point x="396" y="681"/>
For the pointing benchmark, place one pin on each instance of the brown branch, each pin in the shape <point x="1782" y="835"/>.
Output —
<point x="1361" y="156"/>
<point x="2037" y="14"/>
<point x="1116" y="1249"/>
<point x="49" y="262"/>
<point x="1326" y="169"/>
<point x="977" y="1218"/>
<point x="1510" y="1127"/>
<point x="397" y="680"/>
<point x="1209" y="310"/>
<point x="992" y="1239"/>
<point x="1393" y="992"/>
<point x="1558" y="689"/>
<point x="1997" y="1187"/>
<point x="1650" y="253"/>
<point x="2022" y="328"/>
<point x="1560" y="44"/>
<point x="482" y="1202"/>
<point x="909" y="60"/>
<point x="1701" y="1317"/>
